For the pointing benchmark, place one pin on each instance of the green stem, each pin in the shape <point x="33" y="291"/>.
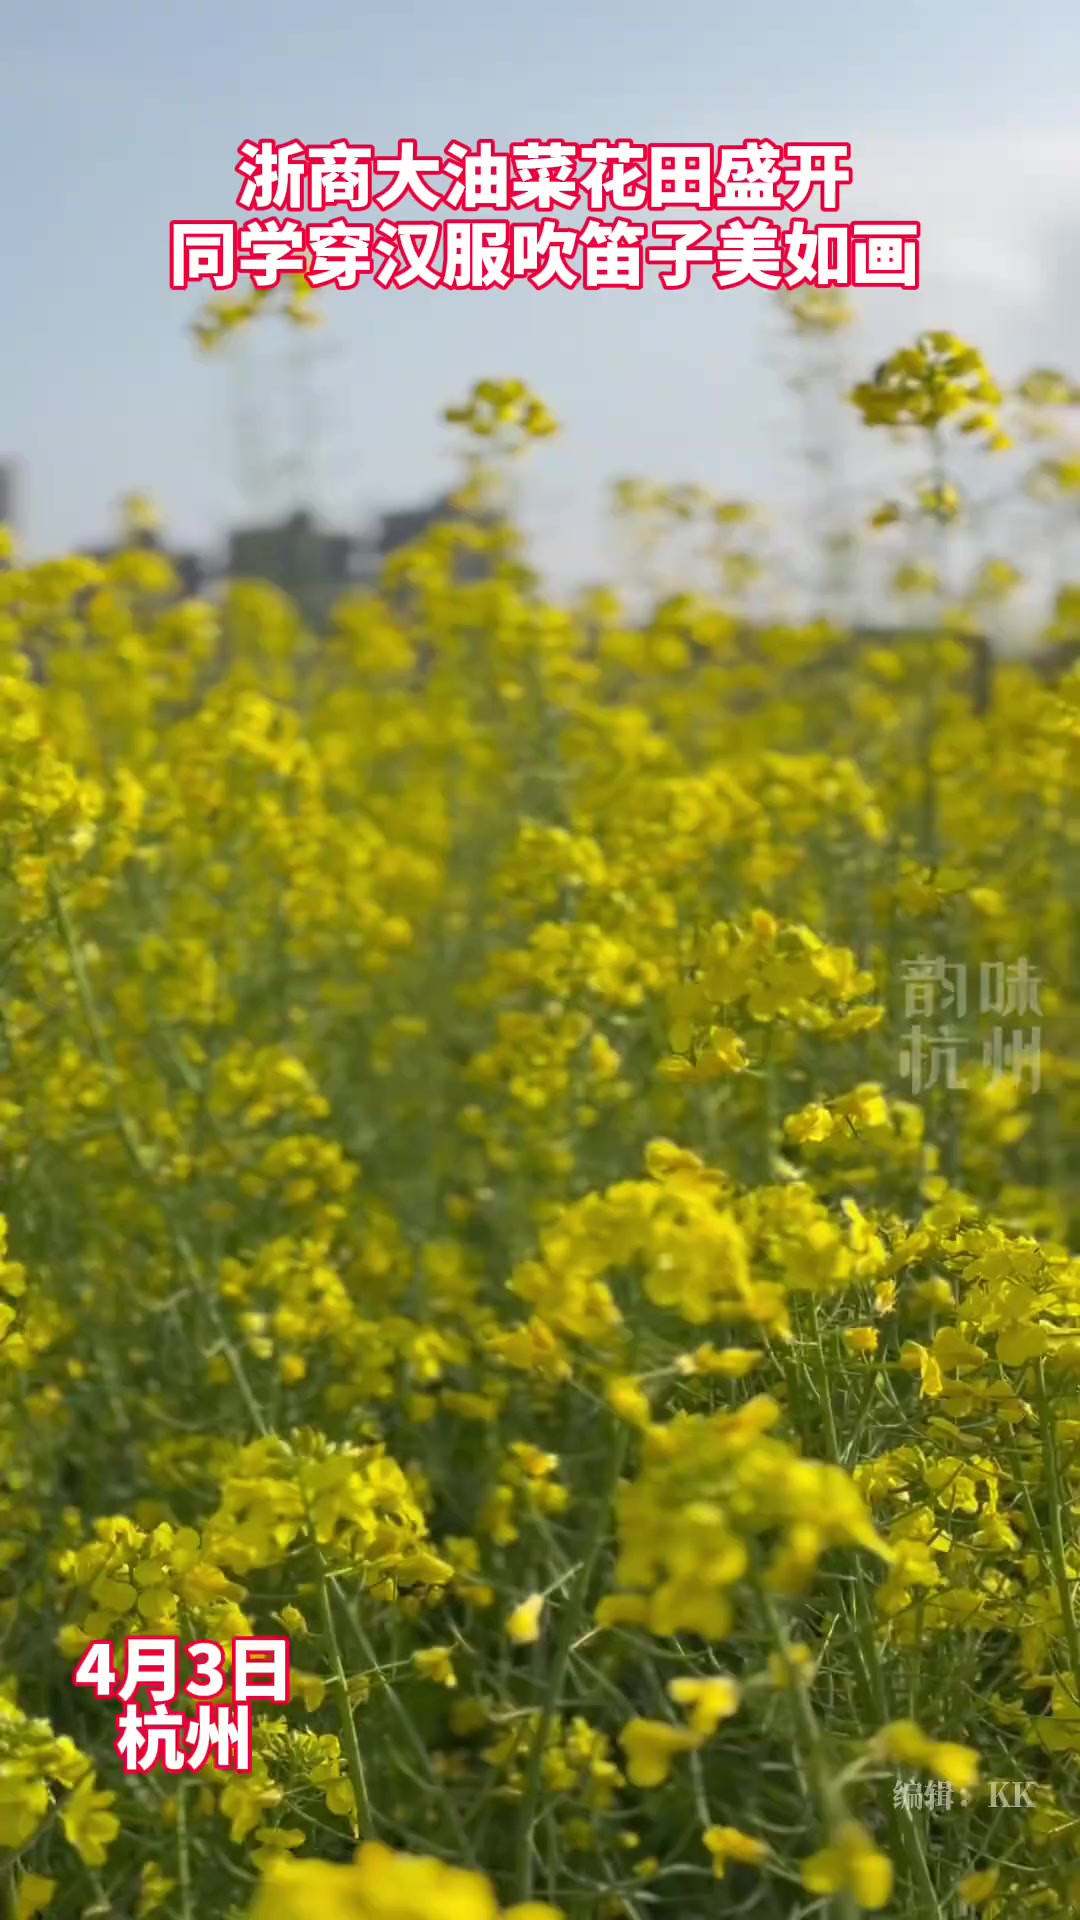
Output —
<point x="414" y="1737"/>
<point x="810" y="1746"/>
<point x="1058" y="1495"/>
<point x="902" y="1826"/>
<point x="132" y="1144"/>
<point x="824" y="1386"/>
<point x="569" y="1625"/>
<point x="769" y="1107"/>
<point x="339" y="1687"/>
<point x="133" y="1147"/>
<point x="183" y="1856"/>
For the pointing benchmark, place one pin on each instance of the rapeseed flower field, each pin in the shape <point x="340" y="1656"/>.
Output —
<point x="464" y="1211"/>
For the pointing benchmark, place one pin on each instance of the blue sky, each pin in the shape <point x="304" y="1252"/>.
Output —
<point x="121" y="115"/>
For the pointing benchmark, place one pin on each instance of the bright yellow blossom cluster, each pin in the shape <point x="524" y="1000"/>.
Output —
<point x="937" y="379"/>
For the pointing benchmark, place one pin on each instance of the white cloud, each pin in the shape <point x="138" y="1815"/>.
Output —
<point x="992" y="206"/>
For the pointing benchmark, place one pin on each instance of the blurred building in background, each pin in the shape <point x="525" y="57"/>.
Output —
<point x="310" y="563"/>
<point x="315" y="567"/>
<point x="9" y="494"/>
<point x="190" y="570"/>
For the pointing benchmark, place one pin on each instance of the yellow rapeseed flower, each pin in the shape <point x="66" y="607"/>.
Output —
<point x="727" y="1844"/>
<point x="851" y="1863"/>
<point x="651" y="1746"/>
<point x="523" y="1625"/>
